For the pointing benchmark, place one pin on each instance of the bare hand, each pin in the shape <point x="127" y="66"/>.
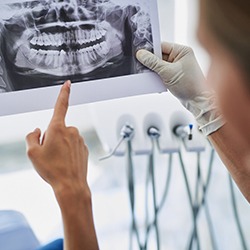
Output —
<point x="61" y="158"/>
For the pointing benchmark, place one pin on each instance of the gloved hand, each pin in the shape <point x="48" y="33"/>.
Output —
<point x="183" y="77"/>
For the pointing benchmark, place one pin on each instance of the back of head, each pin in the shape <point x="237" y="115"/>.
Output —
<point x="229" y="22"/>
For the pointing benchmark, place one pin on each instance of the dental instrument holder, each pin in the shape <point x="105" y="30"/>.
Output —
<point x="184" y="131"/>
<point x="154" y="133"/>
<point x="127" y="134"/>
<point x="154" y="126"/>
<point x="142" y="112"/>
<point x="190" y="136"/>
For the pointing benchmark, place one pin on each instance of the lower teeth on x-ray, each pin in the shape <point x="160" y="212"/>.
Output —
<point x="46" y="42"/>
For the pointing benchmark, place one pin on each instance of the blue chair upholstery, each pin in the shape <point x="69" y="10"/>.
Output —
<point x="15" y="232"/>
<point x="55" y="245"/>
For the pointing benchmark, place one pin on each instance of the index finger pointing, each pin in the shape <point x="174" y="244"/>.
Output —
<point x="62" y="103"/>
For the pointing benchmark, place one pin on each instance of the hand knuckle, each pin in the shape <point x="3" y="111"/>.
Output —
<point x="55" y="127"/>
<point x="31" y="152"/>
<point x="59" y="129"/>
<point x="28" y="136"/>
<point x="86" y="149"/>
<point x="81" y="140"/>
<point x="74" y="132"/>
<point x="190" y="50"/>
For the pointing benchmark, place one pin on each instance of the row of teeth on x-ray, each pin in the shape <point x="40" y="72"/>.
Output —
<point x="56" y="58"/>
<point x="68" y="38"/>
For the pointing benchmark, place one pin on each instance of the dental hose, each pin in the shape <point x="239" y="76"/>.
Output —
<point x="157" y="207"/>
<point x="166" y="189"/>
<point x="131" y="186"/>
<point x="236" y="214"/>
<point x="196" y="236"/>
<point x="152" y="175"/>
<point x="164" y="196"/>
<point x="195" y="205"/>
<point x="204" y="202"/>
<point x="149" y="226"/>
<point x="198" y="206"/>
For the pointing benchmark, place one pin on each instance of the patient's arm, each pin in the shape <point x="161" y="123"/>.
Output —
<point x="61" y="159"/>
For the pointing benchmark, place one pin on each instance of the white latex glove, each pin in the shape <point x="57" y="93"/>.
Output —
<point x="183" y="77"/>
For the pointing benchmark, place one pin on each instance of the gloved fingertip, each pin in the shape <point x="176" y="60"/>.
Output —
<point x="139" y="53"/>
<point x="142" y="54"/>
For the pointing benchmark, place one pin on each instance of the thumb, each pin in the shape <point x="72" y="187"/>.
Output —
<point x="33" y="142"/>
<point x="151" y="61"/>
<point x="170" y="73"/>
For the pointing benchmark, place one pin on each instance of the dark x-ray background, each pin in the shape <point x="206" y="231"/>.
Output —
<point x="43" y="43"/>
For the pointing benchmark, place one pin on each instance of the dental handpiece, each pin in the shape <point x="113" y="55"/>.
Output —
<point x="182" y="131"/>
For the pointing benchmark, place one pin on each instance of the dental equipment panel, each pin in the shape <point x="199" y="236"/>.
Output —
<point x="154" y="127"/>
<point x="161" y="111"/>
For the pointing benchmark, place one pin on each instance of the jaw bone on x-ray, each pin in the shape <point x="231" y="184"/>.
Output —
<point x="46" y="42"/>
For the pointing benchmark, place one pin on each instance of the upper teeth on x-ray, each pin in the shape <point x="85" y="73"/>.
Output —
<point x="45" y="42"/>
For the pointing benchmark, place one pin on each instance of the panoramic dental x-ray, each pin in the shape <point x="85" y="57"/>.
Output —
<point x="46" y="42"/>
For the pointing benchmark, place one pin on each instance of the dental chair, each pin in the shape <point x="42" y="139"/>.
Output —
<point x="15" y="232"/>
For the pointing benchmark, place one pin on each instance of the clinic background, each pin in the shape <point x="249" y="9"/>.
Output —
<point x="23" y="190"/>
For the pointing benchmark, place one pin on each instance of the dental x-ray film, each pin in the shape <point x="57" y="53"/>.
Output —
<point x="91" y="42"/>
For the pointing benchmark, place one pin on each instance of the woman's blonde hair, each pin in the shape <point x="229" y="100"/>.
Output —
<point x="229" y="21"/>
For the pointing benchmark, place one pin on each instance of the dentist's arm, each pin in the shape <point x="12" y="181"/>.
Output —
<point x="61" y="159"/>
<point x="183" y="77"/>
<point x="234" y="151"/>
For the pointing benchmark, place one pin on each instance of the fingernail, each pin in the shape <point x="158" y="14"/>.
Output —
<point x="68" y="83"/>
<point x="37" y="130"/>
